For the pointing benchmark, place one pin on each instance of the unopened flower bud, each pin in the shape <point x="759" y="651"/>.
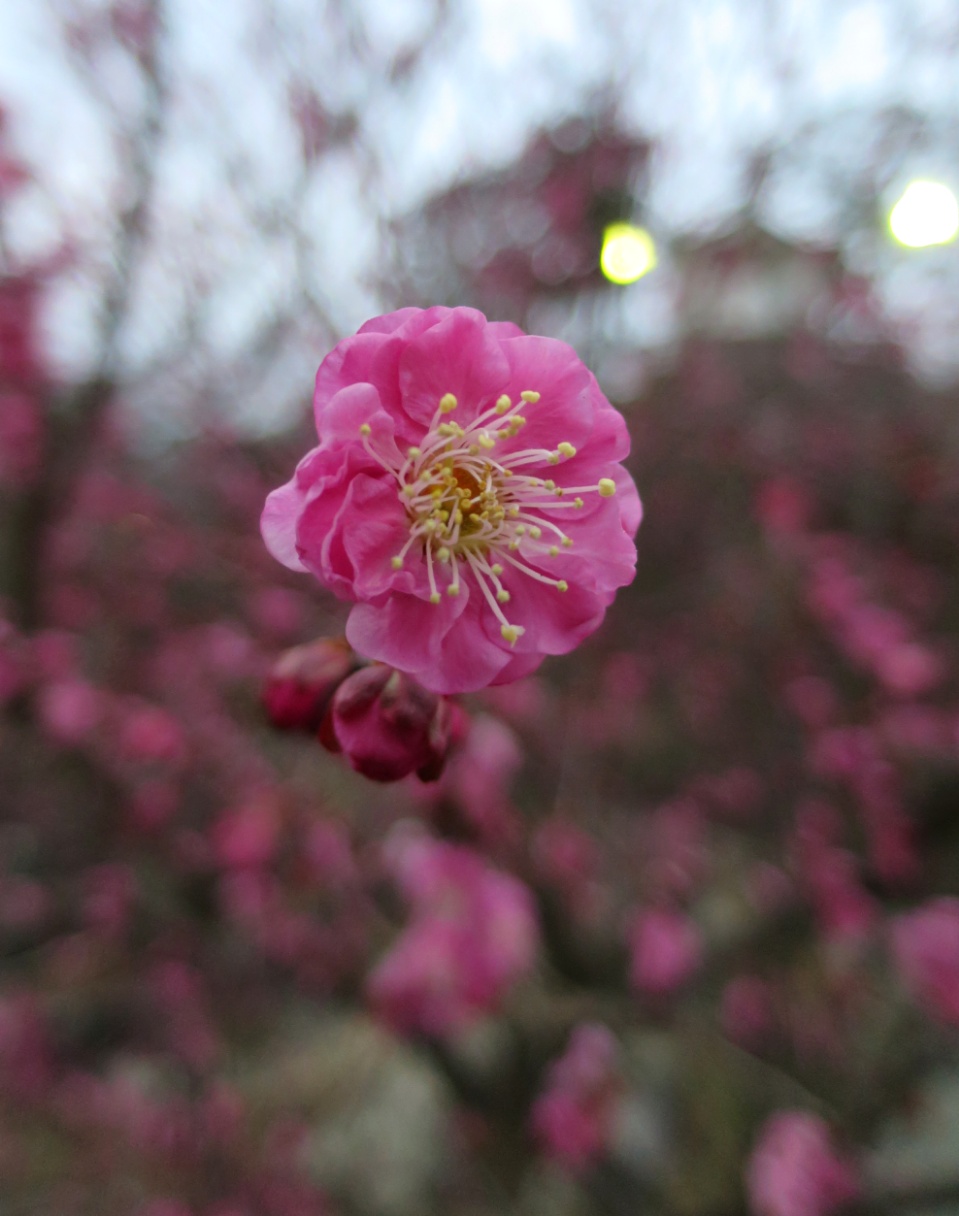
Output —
<point x="387" y="725"/>
<point x="298" y="690"/>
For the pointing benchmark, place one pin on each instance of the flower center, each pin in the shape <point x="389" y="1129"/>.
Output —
<point x="470" y="510"/>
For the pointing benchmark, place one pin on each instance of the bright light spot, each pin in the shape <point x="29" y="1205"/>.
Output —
<point x="628" y="253"/>
<point x="927" y="214"/>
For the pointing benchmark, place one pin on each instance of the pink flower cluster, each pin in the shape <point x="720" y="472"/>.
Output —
<point x="466" y="495"/>
<point x="572" y="1117"/>
<point x="794" y="1169"/>
<point x="473" y="933"/>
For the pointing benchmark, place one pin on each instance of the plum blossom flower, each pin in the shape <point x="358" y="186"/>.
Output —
<point x="794" y="1169"/>
<point x="666" y="948"/>
<point x="572" y="1117"/>
<point x="472" y="935"/>
<point x="466" y="495"/>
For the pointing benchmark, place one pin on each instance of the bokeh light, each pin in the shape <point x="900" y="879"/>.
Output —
<point x="926" y="214"/>
<point x="628" y="253"/>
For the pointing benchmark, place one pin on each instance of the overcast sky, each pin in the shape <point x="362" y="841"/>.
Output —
<point x="709" y="79"/>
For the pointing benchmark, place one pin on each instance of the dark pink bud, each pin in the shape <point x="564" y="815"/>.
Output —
<point x="387" y="725"/>
<point x="298" y="690"/>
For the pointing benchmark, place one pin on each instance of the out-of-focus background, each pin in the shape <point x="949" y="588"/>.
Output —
<point x="678" y="930"/>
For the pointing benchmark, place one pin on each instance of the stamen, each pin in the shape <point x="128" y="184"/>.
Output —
<point x="466" y="504"/>
<point x="434" y="594"/>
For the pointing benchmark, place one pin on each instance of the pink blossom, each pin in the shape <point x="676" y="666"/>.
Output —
<point x="466" y="495"/>
<point x="473" y="934"/>
<point x="794" y="1170"/>
<point x="666" y="949"/>
<point x="572" y="1116"/>
<point x="925" y="944"/>
<point x="478" y="778"/>
<point x="388" y="726"/>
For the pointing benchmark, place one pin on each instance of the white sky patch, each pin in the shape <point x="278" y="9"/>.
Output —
<point x="856" y="59"/>
<point x="712" y="80"/>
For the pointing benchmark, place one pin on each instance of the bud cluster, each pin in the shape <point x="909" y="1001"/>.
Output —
<point x="384" y="723"/>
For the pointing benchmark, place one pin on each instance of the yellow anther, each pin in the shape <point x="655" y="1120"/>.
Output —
<point x="457" y="517"/>
<point x="530" y="397"/>
<point x="567" y="542"/>
<point x="448" y="403"/>
<point x="566" y="449"/>
<point x="435" y="597"/>
<point x="365" y="429"/>
<point x="554" y="550"/>
<point x="513" y="545"/>
<point x="502" y="595"/>
<point x="553" y="458"/>
<point x="487" y="441"/>
<point x="577" y="502"/>
<point x="520" y="529"/>
<point x="606" y="487"/>
<point x="562" y="585"/>
<point x="443" y="554"/>
<point x="511" y="633"/>
<point x="516" y="423"/>
<point x="559" y="491"/>
<point x="513" y="512"/>
<point x="414" y="453"/>
<point x="549" y="485"/>
<point x="473" y="449"/>
<point x="453" y="589"/>
<point x="396" y="562"/>
<point x="497" y="569"/>
<point x="447" y="429"/>
<point x="535" y="532"/>
<point x="503" y="404"/>
<point x="409" y="489"/>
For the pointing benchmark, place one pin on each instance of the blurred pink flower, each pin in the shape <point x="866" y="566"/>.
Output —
<point x="247" y="836"/>
<point x="69" y="711"/>
<point x="794" y="1170"/>
<point x="925" y="945"/>
<point x="473" y="934"/>
<point x="572" y="1116"/>
<point x="666" y="949"/>
<point x="466" y="494"/>
<point x="388" y="726"/>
